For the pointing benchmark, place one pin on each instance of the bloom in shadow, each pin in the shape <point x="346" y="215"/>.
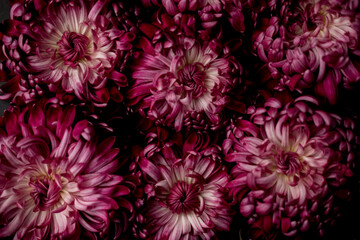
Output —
<point x="185" y="192"/>
<point x="57" y="178"/>
<point x="208" y="12"/>
<point x="182" y="80"/>
<point x="312" y="44"/>
<point x="72" y="47"/>
<point x="290" y="160"/>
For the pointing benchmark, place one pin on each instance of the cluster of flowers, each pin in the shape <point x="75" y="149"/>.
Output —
<point x="178" y="119"/>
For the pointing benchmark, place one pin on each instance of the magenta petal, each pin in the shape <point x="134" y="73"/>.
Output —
<point x="351" y="72"/>
<point x="170" y="6"/>
<point x="37" y="117"/>
<point x="120" y="78"/>
<point x="263" y="208"/>
<point x="65" y="121"/>
<point x="285" y="224"/>
<point x="330" y="88"/>
<point x="11" y="125"/>
<point x="95" y="10"/>
<point x="247" y="210"/>
<point x="78" y="129"/>
<point x="150" y="168"/>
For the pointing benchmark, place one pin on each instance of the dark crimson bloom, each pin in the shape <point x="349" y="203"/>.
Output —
<point x="70" y="46"/>
<point x="209" y="12"/>
<point x="312" y="44"/>
<point x="57" y="177"/>
<point x="179" y="80"/>
<point x="184" y="190"/>
<point x="290" y="160"/>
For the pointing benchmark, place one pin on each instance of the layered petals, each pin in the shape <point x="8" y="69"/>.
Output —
<point x="185" y="193"/>
<point x="70" y="47"/>
<point x="286" y="164"/>
<point x="185" y="82"/>
<point x="311" y="44"/>
<point x="57" y="178"/>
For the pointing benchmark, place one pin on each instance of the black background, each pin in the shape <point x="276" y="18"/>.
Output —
<point x="4" y="14"/>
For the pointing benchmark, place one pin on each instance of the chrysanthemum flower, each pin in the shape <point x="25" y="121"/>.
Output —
<point x="57" y="177"/>
<point x="312" y="44"/>
<point x="208" y="11"/>
<point x="185" y="192"/>
<point x="290" y="162"/>
<point x="179" y="80"/>
<point x="71" y="46"/>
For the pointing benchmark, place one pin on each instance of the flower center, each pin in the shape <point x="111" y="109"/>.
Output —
<point x="183" y="197"/>
<point x="193" y="76"/>
<point x="313" y="19"/>
<point x="288" y="163"/>
<point x="73" y="46"/>
<point x="45" y="192"/>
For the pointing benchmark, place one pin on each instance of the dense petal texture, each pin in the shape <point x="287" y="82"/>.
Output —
<point x="208" y="12"/>
<point x="234" y="119"/>
<point x="71" y="46"/>
<point x="312" y="44"/>
<point x="289" y="162"/>
<point x="57" y="177"/>
<point x="181" y="79"/>
<point x="185" y="192"/>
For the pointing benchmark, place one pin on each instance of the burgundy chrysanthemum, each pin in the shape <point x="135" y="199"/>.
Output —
<point x="57" y="178"/>
<point x="207" y="11"/>
<point x="181" y="81"/>
<point x="312" y="44"/>
<point x="290" y="162"/>
<point x="184" y="191"/>
<point x="70" y="46"/>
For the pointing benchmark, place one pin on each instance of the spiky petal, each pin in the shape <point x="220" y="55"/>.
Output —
<point x="185" y="191"/>
<point x="57" y="177"/>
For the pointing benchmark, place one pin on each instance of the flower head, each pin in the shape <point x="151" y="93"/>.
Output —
<point x="311" y="44"/>
<point x="185" y="192"/>
<point x="208" y="12"/>
<point x="71" y="46"/>
<point x="57" y="178"/>
<point x="180" y="79"/>
<point x="289" y="162"/>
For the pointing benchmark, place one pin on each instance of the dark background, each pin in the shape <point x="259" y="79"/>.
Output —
<point x="4" y="14"/>
<point x="4" y="9"/>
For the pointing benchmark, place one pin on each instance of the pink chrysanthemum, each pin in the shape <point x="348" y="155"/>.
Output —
<point x="57" y="178"/>
<point x="181" y="80"/>
<point x="71" y="46"/>
<point x="185" y="192"/>
<point x="312" y="43"/>
<point x="290" y="160"/>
